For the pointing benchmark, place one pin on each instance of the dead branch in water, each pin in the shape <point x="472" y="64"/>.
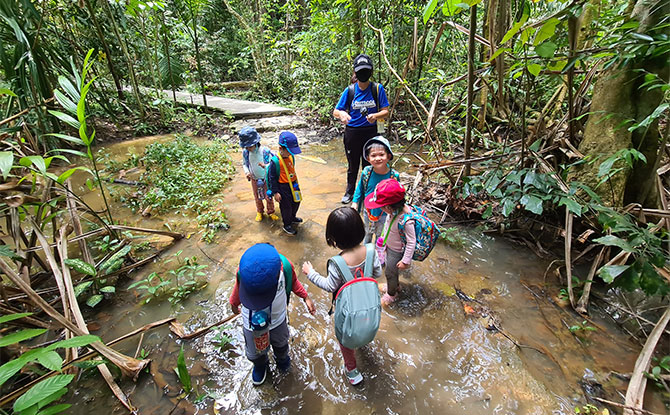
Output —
<point x="178" y="329"/>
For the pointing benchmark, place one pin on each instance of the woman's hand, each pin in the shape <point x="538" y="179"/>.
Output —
<point x="310" y="306"/>
<point x="344" y="117"/>
<point x="307" y="267"/>
<point x="371" y="118"/>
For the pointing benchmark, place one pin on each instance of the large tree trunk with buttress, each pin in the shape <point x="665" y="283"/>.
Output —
<point x="619" y="101"/>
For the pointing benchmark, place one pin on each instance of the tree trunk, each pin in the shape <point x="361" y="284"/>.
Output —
<point x="108" y="54"/>
<point x="619" y="101"/>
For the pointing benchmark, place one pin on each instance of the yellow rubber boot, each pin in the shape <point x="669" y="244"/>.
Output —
<point x="274" y="217"/>
<point x="259" y="217"/>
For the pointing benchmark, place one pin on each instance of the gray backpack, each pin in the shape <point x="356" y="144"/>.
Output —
<point x="357" y="303"/>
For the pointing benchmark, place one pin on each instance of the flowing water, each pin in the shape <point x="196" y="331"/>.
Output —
<point x="434" y="353"/>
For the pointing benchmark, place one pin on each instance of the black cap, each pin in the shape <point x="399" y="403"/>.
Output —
<point x="362" y="61"/>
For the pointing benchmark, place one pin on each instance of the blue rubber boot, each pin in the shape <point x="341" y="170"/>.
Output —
<point x="259" y="373"/>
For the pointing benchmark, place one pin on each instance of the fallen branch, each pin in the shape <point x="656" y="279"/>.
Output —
<point x="15" y="394"/>
<point x="178" y="329"/>
<point x="636" y="410"/>
<point x="638" y="382"/>
<point x="583" y="302"/>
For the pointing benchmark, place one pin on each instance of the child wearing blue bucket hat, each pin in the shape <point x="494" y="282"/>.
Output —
<point x="265" y="279"/>
<point x="283" y="182"/>
<point x="255" y="158"/>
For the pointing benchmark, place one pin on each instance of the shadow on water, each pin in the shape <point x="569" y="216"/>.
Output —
<point x="432" y="354"/>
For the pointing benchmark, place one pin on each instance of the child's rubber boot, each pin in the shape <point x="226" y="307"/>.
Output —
<point x="273" y="217"/>
<point x="259" y="217"/>
<point x="284" y="364"/>
<point x="259" y="373"/>
<point x="353" y="376"/>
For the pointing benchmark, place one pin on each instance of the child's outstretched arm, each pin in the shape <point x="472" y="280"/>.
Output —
<point x="234" y="299"/>
<point x="410" y="236"/>
<point x="331" y="283"/>
<point x="300" y="291"/>
<point x="273" y="181"/>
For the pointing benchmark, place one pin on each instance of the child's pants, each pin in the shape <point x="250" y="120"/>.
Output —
<point x="372" y="228"/>
<point x="259" y="200"/>
<point x="288" y="207"/>
<point x="392" y="258"/>
<point x="278" y="340"/>
<point x="349" y="356"/>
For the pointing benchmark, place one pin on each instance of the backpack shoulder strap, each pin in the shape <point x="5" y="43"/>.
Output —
<point x="365" y="176"/>
<point x="375" y="93"/>
<point x="369" y="260"/>
<point x="350" y="95"/>
<point x="395" y="174"/>
<point x="342" y="268"/>
<point x="288" y="275"/>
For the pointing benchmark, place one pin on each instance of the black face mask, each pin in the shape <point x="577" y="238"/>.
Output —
<point x="364" y="75"/>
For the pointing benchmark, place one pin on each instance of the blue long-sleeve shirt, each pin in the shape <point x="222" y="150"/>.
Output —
<point x="375" y="178"/>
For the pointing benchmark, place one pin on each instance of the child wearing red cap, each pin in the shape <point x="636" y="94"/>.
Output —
<point x="389" y="195"/>
<point x="261" y="289"/>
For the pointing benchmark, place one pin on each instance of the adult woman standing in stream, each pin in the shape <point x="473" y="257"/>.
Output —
<point x="362" y="108"/>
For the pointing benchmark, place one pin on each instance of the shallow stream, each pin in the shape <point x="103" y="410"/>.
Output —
<point x="434" y="353"/>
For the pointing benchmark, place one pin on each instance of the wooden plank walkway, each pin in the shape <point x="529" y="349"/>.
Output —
<point x="237" y="108"/>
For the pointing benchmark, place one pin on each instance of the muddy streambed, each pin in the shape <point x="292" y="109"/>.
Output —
<point x="434" y="352"/>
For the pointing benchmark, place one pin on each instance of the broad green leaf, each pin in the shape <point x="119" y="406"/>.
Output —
<point x="7" y="251"/>
<point x="532" y="204"/>
<point x="611" y="240"/>
<point x="51" y="360"/>
<point x="532" y="178"/>
<point x="37" y="161"/>
<point x="67" y="173"/>
<point x="67" y="119"/>
<point x="6" y="162"/>
<point x="182" y="371"/>
<point x="66" y="102"/>
<point x="546" y="49"/>
<point x="508" y="206"/>
<point x="498" y="52"/>
<point x="534" y="69"/>
<point x="70" y="89"/>
<point x="558" y="65"/>
<point x="10" y="368"/>
<point x="571" y="205"/>
<point x="5" y="91"/>
<point x="94" y="300"/>
<point x="10" y="317"/>
<point x="80" y="288"/>
<point x="56" y="409"/>
<point x="606" y="166"/>
<point x="108" y="289"/>
<point x="428" y="10"/>
<point x="609" y="272"/>
<point x="75" y="140"/>
<point x="81" y="266"/>
<point x="41" y="390"/>
<point x="510" y="33"/>
<point x="546" y="31"/>
<point x="79" y="341"/>
<point x="120" y="254"/>
<point x="651" y="117"/>
<point x="20" y="336"/>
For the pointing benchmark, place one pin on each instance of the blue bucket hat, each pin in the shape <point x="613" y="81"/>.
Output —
<point x="258" y="276"/>
<point x="248" y="136"/>
<point x="289" y="141"/>
<point x="377" y="140"/>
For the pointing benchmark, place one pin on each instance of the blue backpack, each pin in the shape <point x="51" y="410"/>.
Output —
<point x="426" y="232"/>
<point x="357" y="303"/>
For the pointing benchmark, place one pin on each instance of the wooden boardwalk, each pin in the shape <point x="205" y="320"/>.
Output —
<point x="237" y="108"/>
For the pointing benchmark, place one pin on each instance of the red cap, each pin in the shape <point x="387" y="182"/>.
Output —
<point x="387" y="192"/>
